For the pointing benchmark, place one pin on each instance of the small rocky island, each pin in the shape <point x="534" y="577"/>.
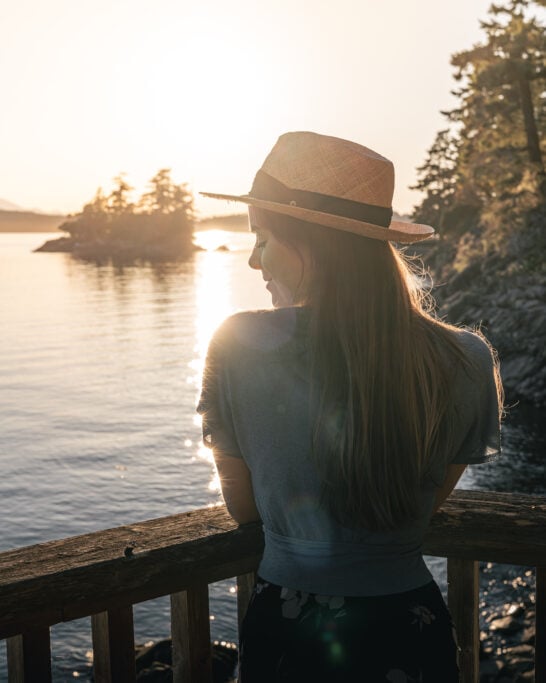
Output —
<point x="156" y="227"/>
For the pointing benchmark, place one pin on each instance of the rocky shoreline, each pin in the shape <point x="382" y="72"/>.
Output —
<point x="154" y="662"/>
<point x="507" y="623"/>
<point x="507" y="302"/>
<point x="512" y="314"/>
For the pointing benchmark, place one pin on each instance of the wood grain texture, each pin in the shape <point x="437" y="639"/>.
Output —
<point x="179" y="623"/>
<point x="63" y="580"/>
<point x="190" y="629"/>
<point x="463" y="602"/>
<point x="29" y="657"/>
<point x="245" y="586"/>
<point x="114" y="646"/>
<point x="493" y="527"/>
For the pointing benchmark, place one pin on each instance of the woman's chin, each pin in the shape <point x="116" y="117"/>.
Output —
<point x="276" y="301"/>
<point x="279" y="297"/>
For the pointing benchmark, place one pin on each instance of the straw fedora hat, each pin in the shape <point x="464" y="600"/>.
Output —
<point x="332" y="182"/>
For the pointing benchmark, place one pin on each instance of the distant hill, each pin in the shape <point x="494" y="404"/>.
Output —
<point x="28" y="221"/>
<point x="5" y="205"/>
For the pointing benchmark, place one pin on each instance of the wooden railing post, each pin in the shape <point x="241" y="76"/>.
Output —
<point x="114" y="646"/>
<point x="463" y="602"/>
<point x="190" y="631"/>
<point x="245" y="586"/>
<point x="29" y="657"/>
<point x="540" y="633"/>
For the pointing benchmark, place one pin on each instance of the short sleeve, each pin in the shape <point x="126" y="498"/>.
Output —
<point x="213" y="406"/>
<point x="479" y="407"/>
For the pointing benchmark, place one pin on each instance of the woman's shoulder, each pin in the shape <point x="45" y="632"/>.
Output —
<point x="475" y="347"/>
<point x="261" y="330"/>
<point x="475" y="372"/>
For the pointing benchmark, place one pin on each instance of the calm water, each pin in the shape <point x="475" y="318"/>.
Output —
<point x="99" y="375"/>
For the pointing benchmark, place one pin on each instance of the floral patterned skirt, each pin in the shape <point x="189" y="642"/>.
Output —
<point x="292" y="636"/>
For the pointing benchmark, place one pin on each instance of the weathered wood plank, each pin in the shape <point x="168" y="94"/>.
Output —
<point x="114" y="646"/>
<point x="540" y="636"/>
<point x="515" y="528"/>
<point x="29" y="657"/>
<point x="109" y="545"/>
<point x="65" y="580"/>
<point x="190" y="630"/>
<point x="463" y="601"/>
<point x="179" y="624"/>
<point x="245" y="586"/>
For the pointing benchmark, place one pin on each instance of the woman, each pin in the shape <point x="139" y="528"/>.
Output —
<point x="342" y="419"/>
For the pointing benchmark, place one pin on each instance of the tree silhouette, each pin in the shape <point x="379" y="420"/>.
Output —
<point x="159" y="225"/>
<point x="438" y="178"/>
<point x="118" y="200"/>
<point x="488" y="166"/>
<point x="501" y="105"/>
<point x="164" y="196"/>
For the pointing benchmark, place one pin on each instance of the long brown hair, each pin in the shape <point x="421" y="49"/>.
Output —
<point x="381" y="369"/>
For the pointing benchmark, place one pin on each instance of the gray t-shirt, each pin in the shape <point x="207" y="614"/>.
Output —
<point x="255" y="405"/>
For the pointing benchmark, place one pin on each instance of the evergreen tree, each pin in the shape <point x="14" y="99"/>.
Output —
<point x="438" y="178"/>
<point x="501" y="106"/>
<point x="165" y="197"/>
<point x="92" y="222"/>
<point x="494" y="148"/>
<point x="118" y="200"/>
<point x="98" y="205"/>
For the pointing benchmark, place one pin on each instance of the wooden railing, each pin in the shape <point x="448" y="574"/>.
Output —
<point x="104" y="574"/>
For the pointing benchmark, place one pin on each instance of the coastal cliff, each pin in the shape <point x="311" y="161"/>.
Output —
<point x="504" y="294"/>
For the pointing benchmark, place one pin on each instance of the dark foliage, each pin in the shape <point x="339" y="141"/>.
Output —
<point x="487" y="167"/>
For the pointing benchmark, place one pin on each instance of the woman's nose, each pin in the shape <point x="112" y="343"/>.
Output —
<point x="254" y="260"/>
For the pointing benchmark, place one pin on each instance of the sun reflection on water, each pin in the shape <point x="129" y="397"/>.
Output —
<point x="223" y="285"/>
<point x="214" y="303"/>
<point x="211" y="239"/>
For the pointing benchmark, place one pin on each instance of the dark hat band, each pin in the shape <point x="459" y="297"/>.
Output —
<point x="270" y="189"/>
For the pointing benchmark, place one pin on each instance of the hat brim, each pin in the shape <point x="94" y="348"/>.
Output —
<point x="398" y="231"/>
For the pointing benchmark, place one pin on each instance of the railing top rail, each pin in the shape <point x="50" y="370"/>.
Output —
<point x="74" y="577"/>
<point x="509" y="528"/>
<point x="66" y="579"/>
<point x="128" y="542"/>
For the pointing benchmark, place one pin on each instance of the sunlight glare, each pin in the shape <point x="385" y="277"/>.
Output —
<point x="214" y="304"/>
<point x="210" y="240"/>
<point x="214" y="301"/>
<point x="214" y="484"/>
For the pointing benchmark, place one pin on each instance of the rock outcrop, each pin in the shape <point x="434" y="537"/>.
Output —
<point x="154" y="662"/>
<point x="508" y="302"/>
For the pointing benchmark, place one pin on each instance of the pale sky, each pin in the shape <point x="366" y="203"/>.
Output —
<point x="205" y="87"/>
